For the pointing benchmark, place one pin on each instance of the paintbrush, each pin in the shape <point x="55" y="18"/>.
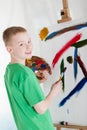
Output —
<point x="62" y="74"/>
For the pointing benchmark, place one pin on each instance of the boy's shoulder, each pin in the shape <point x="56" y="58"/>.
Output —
<point x="19" y="68"/>
<point x="18" y="71"/>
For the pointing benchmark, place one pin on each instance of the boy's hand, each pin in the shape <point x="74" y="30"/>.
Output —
<point x="42" y="75"/>
<point x="56" y="87"/>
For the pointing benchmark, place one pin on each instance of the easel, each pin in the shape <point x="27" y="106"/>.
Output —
<point x="65" y="13"/>
<point x="77" y="127"/>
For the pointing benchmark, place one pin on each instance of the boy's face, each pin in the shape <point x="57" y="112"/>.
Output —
<point x="20" y="46"/>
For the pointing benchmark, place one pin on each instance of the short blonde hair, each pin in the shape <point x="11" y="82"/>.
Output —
<point x="9" y="32"/>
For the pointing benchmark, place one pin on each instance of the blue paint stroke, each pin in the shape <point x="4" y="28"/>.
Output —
<point x="71" y="28"/>
<point x="75" y="66"/>
<point x="53" y="34"/>
<point x="78" y="87"/>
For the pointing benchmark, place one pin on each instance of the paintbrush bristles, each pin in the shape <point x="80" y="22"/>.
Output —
<point x="62" y="74"/>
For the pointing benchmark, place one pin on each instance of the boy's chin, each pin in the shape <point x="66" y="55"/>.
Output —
<point x="29" y="57"/>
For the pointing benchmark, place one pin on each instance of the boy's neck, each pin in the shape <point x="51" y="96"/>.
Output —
<point x="13" y="61"/>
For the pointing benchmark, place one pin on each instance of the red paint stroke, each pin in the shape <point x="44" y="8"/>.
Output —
<point x="82" y="65"/>
<point x="65" y="47"/>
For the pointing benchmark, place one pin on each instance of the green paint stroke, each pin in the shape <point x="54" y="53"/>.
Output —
<point x="80" y="43"/>
<point x="61" y="70"/>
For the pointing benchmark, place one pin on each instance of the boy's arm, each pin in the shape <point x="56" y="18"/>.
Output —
<point x="42" y="106"/>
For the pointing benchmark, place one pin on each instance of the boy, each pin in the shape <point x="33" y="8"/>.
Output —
<point x="28" y="103"/>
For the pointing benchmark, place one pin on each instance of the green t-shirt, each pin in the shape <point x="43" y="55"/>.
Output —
<point x="24" y="92"/>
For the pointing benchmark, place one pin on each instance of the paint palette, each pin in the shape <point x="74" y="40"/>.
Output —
<point x="38" y="65"/>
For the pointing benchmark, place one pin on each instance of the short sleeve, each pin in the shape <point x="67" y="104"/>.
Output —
<point x="32" y="90"/>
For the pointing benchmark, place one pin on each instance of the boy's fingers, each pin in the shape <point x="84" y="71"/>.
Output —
<point x="58" y="81"/>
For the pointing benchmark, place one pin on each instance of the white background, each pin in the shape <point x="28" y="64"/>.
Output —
<point x="34" y="15"/>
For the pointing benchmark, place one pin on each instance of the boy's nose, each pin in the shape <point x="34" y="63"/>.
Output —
<point x="28" y="46"/>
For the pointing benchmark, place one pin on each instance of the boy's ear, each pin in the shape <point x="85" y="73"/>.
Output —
<point x="9" y="49"/>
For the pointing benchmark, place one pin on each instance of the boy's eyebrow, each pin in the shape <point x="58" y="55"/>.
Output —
<point x="20" y="41"/>
<point x="24" y="41"/>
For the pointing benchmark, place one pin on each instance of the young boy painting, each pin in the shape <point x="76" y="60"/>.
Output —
<point x="29" y="106"/>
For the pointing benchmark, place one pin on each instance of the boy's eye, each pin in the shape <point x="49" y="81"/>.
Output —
<point x="21" y="44"/>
